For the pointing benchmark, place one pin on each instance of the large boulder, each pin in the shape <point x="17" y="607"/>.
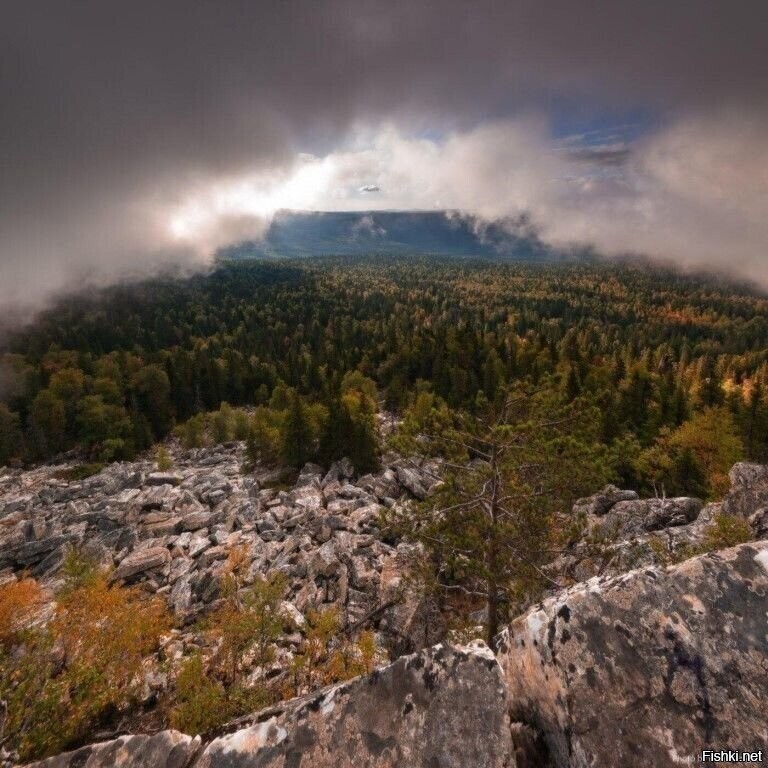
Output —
<point x="414" y="482"/>
<point x="647" y="668"/>
<point x="749" y="489"/>
<point x="141" y="561"/>
<point x="443" y="707"/>
<point x="166" y="749"/>
<point x="27" y="553"/>
<point x="164" y="478"/>
<point x="599" y="503"/>
<point x="628" y="519"/>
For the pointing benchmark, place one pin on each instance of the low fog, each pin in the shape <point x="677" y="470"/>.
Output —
<point x="138" y="138"/>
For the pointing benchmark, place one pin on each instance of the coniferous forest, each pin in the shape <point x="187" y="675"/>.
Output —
<point x="514" y="389"/>
<point x="676" y="366"/>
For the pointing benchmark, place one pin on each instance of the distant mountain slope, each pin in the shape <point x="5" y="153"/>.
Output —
<point x="304" y="233"/>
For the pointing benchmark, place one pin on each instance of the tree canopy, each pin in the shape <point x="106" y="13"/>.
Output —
<point x="330" y="340"/>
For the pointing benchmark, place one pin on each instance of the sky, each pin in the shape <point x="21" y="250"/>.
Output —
<point x="138" y="136"/>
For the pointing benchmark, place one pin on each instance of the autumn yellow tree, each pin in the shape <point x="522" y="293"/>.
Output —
<point x="694" y="458"/>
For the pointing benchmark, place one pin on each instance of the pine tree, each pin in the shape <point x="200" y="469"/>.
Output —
<point x="335" y="437"/>
<point x="364" y="444"/>
<point x="10" y="435"/>
<point x="297" y="436"/>
<point x="572" y="384"/>
<point x="689" y="475"/>
<point x="710" y="389"/>
<point x="395" y="397"/>
<point x="491" y="528"/>
<point x="153" y="390"/>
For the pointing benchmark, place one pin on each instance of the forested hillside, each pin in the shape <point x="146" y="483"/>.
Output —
<point x="676" y="366"/>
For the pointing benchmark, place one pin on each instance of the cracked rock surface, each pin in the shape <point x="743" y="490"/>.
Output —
<point x="445" y="706"/>
<point x="647" y="668"/>
<point x="167" y="749"/>
<point x="170" y="533"/>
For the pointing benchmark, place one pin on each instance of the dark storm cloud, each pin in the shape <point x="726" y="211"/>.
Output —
<point x="111" y="111"/>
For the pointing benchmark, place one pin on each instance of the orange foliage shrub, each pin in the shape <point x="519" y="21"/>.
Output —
<point x="82" y="668"/>
<point x="19" y="602"/>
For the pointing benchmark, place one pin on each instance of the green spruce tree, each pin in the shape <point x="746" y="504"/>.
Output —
<point x="297" y="435"/>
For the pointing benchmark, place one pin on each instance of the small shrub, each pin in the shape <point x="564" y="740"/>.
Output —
<point x="163" y="459"/>
<point x="264" y="436"/>
<point x="328" y="655"/>
<point x="244" y="630"/>
<point x="80" y="472"/>
<point x="200" y="702"/>
<point x="661" y="553"/>
<point x="112" y="449"/>
<point x="192" y="432"/>
<point x="19" y="602"/>
<point x="726" y="531"/>
<point x="248" y="623"/>
<point x="221" y="423"/>
<point x="79" y="570"/>
<point x="81" y="669"/>
<point x="242" y="425"/>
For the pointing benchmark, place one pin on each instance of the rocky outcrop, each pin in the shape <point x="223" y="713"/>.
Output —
<point x="167" y="749"/>
<point x="621" y="514"/>
<point x="620" y="532"/>
<point x="635" y="517"/>
<point x="600" y="503"/>
<point x="749" y="489"/>
<point x="647" y="668"/>
<point x="171" y="533"/>
<point x="633" y="533"/>
<point x="632" y="666"/>
<point x="445" y="706"/>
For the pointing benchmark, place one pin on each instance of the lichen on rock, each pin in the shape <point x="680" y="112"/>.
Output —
<point x="647" y="667"/>
<point x="445" y="706"/>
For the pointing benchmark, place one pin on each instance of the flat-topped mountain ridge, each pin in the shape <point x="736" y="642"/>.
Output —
<point x="350" y="233"/>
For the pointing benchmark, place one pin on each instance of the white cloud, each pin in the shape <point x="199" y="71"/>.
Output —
<point x="695" y="192"/>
